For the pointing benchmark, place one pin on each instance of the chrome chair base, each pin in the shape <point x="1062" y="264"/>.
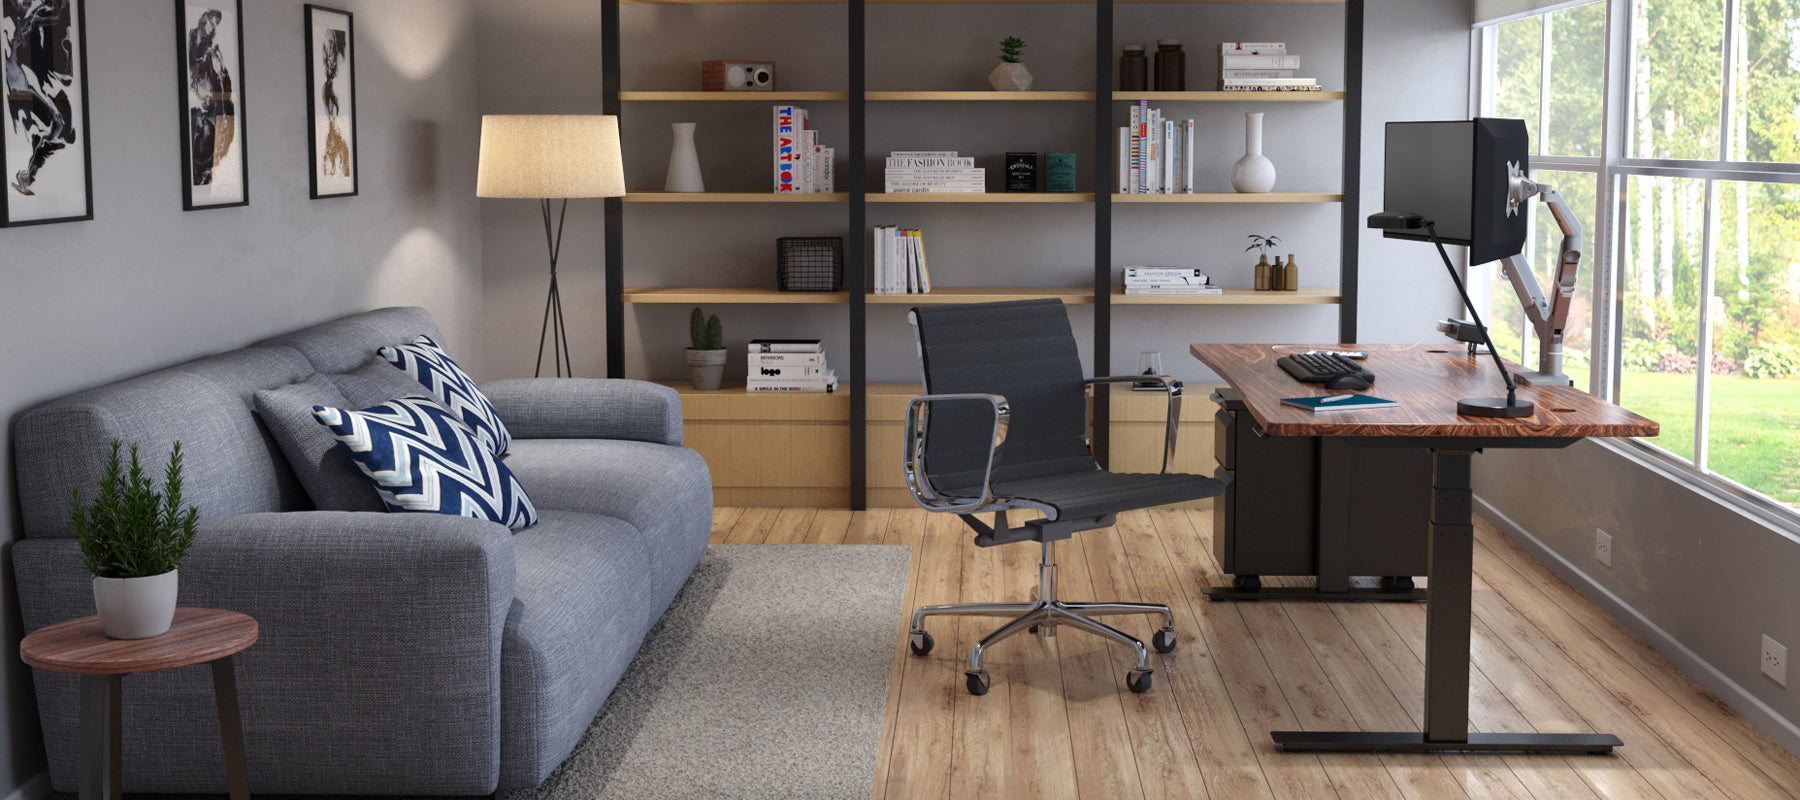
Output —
<point x="1048" y="612"/>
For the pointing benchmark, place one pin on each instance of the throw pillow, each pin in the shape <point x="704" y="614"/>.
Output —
<point x="325" y="470"/>
<point x="422" y="458"/>
<point x="428" y="364"/>
<point x="375" y="381"/>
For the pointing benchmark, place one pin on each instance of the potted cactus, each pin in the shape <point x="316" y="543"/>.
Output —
<point x="706" y="358"/>
<point x="1010" y="75"/>
<point x="132" y="539"/>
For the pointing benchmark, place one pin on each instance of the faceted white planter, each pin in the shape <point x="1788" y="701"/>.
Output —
<point x="136" y="608"/>
<point x="684" y="161"/>
<point x="1010" y="76"/>
<point x="1253" y="172"/>
<point x="706" y="368"/>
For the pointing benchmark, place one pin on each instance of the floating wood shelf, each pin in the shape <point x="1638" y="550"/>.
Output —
<point x="941" y="295"/>
<point x="1233" y="197"/>
<point x="944" y="295"/>
<point x="982" y="97"/>
<point x="1229" y="97"/>
<point x="987" y="197"/>
<point x="963" y="2"/>
<point x="733" y="97"/>
<point x="719" y="295"/>
<point x="735" y="197"/>
<point x="1234" y="296"/>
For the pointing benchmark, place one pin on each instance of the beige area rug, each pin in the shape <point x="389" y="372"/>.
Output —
<point x="767" y="678"/>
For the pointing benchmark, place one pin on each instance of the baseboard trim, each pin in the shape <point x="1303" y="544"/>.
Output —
<point x="1766" y="719"/>
<point x="37" y="787"/>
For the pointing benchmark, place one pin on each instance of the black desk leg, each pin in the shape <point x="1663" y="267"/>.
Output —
<point x="231" y="729"/>
<point x="1447" y="617"/>
<point x="102" y="774"/>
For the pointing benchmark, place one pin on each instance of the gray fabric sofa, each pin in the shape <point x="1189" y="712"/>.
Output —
<point x="400" y="653"/>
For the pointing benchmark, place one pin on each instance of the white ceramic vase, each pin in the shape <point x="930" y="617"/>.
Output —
<point x="136" y="608"/>
<point x="1254" y="172"/>
<point x="1010" y="76"/>
<point x="684" y="161"/>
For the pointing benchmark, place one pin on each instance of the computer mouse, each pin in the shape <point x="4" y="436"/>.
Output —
<point x="1346" y="381"/>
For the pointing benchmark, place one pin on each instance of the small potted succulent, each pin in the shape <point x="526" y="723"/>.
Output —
<point x="132" y="540"/>
<point x="706" y="358"/>
<point x="1010" y="75"/>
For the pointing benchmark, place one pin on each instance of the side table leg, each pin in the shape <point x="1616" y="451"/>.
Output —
<point x="102" y="771"/>
<point x="231" y="728"/>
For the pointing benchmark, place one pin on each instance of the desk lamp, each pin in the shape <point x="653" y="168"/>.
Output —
<point x="1469" y="177"/>
<point x="545" y="157"/>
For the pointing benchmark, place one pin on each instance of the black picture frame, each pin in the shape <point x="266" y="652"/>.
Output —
<point x="209" y="72"/>
<point x="330" y="121"/>
<point x="46" y="161"/>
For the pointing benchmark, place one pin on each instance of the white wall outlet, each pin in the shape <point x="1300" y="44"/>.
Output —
<point x="1603" y="547"/>
<point x="1774" y="660"/>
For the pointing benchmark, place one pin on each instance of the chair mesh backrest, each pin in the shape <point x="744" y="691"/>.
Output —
<point x="1022" y="350"/>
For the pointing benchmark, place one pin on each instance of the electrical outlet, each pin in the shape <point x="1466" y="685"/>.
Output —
<point x="1774" y="660"/>
<point x="1603" y="547"/>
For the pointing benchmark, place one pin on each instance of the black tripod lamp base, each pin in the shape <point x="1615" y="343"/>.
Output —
<point x="1494" y="407"/>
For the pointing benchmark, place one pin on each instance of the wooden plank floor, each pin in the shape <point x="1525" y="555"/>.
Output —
<point x="1059" y="722"/>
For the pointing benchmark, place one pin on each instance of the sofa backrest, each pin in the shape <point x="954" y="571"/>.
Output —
<point x="230" y="463"/>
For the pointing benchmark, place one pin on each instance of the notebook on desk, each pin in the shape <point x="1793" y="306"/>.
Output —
<point x="1339" y="402"/>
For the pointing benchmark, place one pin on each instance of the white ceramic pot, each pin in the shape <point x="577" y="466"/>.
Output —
<point x="1253" y="172"/>
<point x="684" y="161"/>
<point x="706" y="368"/>
<point x="1010" y="76"/>
<point x="136" y="608"/>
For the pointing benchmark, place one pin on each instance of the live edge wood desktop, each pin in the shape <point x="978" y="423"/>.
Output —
<point x="1426" y="382"/>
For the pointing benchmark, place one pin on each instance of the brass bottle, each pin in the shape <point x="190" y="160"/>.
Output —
<point x="1263" y="274"/>
<point x="1290" y="275"/>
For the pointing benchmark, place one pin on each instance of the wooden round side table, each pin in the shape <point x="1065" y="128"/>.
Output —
<point x="199" y="636"/>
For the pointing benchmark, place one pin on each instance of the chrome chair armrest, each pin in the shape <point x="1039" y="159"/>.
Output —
<point x="918" y="484"/>
<point x="1173" y="389"/>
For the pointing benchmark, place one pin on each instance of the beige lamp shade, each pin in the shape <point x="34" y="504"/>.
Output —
<point x="550" y="155"/>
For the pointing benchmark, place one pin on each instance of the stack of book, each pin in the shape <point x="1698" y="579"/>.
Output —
<point x="802" y="165"/>
<point x="900" y="261"/>
<point x="922" y="171"/>
<point x="1261" y="67"/>
<point x="789" y="365"/>
<point x="1168" y="281"/>
<point x="1156" y="155"/>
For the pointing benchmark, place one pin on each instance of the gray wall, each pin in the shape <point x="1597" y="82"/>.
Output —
<point x="146" y="285"/>
<point x="949" y="47"/>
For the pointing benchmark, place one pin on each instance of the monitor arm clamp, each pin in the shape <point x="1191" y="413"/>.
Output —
<point x="1548" y="316"/>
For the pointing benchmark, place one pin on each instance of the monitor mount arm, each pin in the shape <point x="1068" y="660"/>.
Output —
<point x="1548" y="316"/>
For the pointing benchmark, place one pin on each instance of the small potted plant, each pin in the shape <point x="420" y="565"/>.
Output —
<point x="1010" y="75"/>
<point x="1265" y="272"/>
<point x="706" y="358"/>
<point x="132" y="540"/>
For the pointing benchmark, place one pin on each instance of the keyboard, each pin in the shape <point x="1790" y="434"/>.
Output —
<point x="1321" y="367"/>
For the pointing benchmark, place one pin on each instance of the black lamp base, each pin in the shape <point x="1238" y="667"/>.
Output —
<point x="1494" y="407"/>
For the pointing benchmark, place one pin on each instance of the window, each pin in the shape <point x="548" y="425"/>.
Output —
<point x="1693" y="226"/>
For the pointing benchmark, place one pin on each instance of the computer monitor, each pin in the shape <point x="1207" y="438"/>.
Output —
<point x="1458" y="174"/>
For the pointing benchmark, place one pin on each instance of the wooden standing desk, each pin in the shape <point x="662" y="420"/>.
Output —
<point x="1426" y="382"/>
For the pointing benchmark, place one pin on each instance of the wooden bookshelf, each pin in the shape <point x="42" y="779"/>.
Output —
<point x="735" y="295"/>
<point x="1228" y="97"/>
<point x="985" y="197"/>
<point x="735" y="197"/>
<point x="1233" y="197"/>
<point x="982" y="97"/>
<point x="944" y="295"/>
<point x="941" y="295"/>
<point x="1234" y="296"/>
<point x="734" y="97"/>
<point x="961" y="2"/>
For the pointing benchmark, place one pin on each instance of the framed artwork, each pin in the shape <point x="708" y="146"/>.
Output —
<point x="209" y="48"/>
<point x="45" y="160"/>
<point x="331" y="103"/>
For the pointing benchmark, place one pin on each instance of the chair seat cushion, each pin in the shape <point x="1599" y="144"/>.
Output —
<point x="1093" y="493"/>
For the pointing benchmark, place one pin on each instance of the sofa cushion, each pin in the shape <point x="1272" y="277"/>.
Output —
<point x="428" y="364"/>
<point x="342" y="344"/>
<point x="330" y="477"/>
<point x="422" y="458"/>
<point x="376" y="381"/>
<point x="581" y="607"/>
<point x="665" y="492"/>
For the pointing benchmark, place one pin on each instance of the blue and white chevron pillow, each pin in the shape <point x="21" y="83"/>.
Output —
<point x="422" y="458"/>
<point x="430" y="365"/>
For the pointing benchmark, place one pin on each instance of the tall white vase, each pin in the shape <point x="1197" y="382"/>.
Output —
<point x="1253" y="172"/>
<point x="684" y="161"/>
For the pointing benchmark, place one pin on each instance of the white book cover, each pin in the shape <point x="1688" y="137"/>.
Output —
<point x="1187" y="162"/>
<point x="787" y="359"/>
<point x="924" y="264"/>
<point x="1153" y="133"/>
<point x="921" y="154"/>
<point x="936" y="190"/>
<point x="786" y="346"/>
<point x="935" y="171"/>
<point x="1174" y="291"/>
<point x="1124" y="161"/>
<point x="1257" y="73"/>
<point x="766" y="373"/>
<point x="1259" y="62"/>
<point x="1280" y="82"/>
<point x="809" y="165"/>
<point x="879" y="257"/>
<point x="915" y="161"/>
<point x="1133" y="147"/>
<point x="827" y="170"/>
<point x="896" y="261"/>
<point x="1168" y="134"/>
<point x="1184" y="277"/>
<point x="1252" y="48"/>
<point x="916" y="256"/>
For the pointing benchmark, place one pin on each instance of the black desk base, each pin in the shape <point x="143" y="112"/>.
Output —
<point x="1307" y="742"/>
<point x="1354" y="594"/>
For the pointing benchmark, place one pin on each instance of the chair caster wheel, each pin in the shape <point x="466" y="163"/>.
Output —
<point x="1032" y="629"/>
<point x="1138" y="682"/>
<point x="1399" y="583"/>
<point x="920" y="642"/>
<point x="1164" y="640"/>
<point x="977" y="682"/>
<point x="1249" y="583"/>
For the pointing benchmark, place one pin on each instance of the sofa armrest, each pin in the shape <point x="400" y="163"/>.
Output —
<point x="587" y="408"/>
<point x="380" y="646"/>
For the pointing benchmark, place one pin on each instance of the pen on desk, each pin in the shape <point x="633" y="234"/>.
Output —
<point x="1336" y="397"/>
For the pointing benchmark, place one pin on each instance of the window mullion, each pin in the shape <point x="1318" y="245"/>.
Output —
<point x="1703" y="339"/>
<point x="1615" y="96"/>
<point x="1544" y="58"/>
<point x="1728" y="103"/>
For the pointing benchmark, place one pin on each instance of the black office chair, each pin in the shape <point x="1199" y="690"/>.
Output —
<point x="1008" y="373"/>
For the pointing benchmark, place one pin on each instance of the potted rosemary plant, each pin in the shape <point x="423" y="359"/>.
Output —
<point x="132" y="540"/>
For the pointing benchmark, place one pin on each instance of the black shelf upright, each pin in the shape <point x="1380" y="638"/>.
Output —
<point x="1103" y="182"/>
<point x="854" y="280"/>
<point x="614" y="207"/>
<point x="1351" y="233"/>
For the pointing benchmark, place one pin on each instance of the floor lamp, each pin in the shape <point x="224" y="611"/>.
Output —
<point x="546" y="157"/>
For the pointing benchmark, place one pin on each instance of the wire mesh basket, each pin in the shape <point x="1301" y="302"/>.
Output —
<point x="810" y="263"/>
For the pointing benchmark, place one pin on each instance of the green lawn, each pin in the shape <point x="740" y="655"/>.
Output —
<point x="1753" y="435"/>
